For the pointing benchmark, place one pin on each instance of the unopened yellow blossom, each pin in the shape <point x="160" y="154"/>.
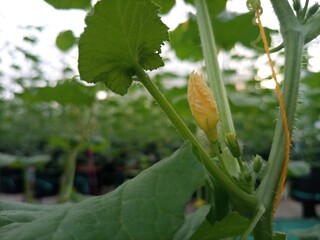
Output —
<point x="203" y="106"/>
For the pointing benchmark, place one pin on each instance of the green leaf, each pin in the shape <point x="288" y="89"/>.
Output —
<point x="65" y="40"/>
<point x="312" y="80"/>
<point x="231" y="164"/>
<point x="237" y="29"/>
<point x="165" y="5"/>
<point x="15" y="213"/>
<point x="310" y="233"/>
<point x="185" y="41"/>
<point x="67" y="92"/>
<point x="298" y="169"/>
<point x="67" y="4"/>
<point x="192" y="223"/>
<point x="279" y="236"/>
<point x="30" y="39"/>
<point x="120" y="36"/>
<point x="219" y="202"/>
<point x="150" y="206"/>
<point x="22" y="162"/>
<point x="185" y="38"/>
<point x="231" y="226"/>
<point x="7" y="159"/>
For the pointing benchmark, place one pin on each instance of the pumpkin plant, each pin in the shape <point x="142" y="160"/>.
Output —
<point x="120" y="45"/>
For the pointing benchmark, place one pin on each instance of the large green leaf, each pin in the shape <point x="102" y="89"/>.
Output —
<point x="192" y="223"/>
<point x="150" y="206"/>
<point x="219" y="202"/>
<point x="120" y="36"/>
<point x="237" y="29"/>
<point x="67" y="4"/>
<point x="185" y="41"/>
<point x="185" y="38"/>
<point x="231" y="226"/>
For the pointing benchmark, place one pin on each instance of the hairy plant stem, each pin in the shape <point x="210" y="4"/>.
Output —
<point x="84" y="127"/>
<point x="246" y="200"/>
<point x="269" y="185"/>
<point x="294" y="37"/>
<point x="27" y="184"/>
<point x="66" y="185"/>
<point x="216" y="151"/>
<point x="212" y="67"/>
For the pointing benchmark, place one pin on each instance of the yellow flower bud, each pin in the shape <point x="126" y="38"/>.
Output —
<point x="203" y="106"/>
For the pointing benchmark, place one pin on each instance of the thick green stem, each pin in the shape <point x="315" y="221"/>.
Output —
<point x="268" y="188"/>
<point x="294" y="48"/>
<point x="216" y="151"/>
<point x="264" y="228"/>
<point x="67" y="179"/>
<point x="27" y="184"/>
<point x="246" y="200"/>
<point x="212" y="66"/>
<point x="294" y="37"/>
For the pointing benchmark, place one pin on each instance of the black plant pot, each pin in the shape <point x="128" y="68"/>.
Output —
<point x="11" y="180"/>
<point x="307" y="191"/>
<point x="47" y="183"/>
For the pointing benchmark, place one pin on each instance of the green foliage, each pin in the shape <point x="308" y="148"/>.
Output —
<point x="240" y="28"/>
<point x="129" y="124"/>
<point x="117" y="40"/>
<point x="307" y="124"/>
<point x="219" y="203"/>
<point x="186" y="42"/>
<point x="185" y="39"/>
<point x="17" y="118"/>
<point x="298" y="169"/>
<point x="192" y="223"/>
<point x="7" y="160"/>
<point x="165" y="5"/>
<point x="151" y="206"/>
<point x="233" y="225"/>
<point x="54" y="117"/>
<point x="67" y="4"/>
<point x="254" y="111"/>
<point x="65" y="93"/>
<point x="279" y="236"/>
<point x="65" y="40"/>
<point x="311" y="233"/>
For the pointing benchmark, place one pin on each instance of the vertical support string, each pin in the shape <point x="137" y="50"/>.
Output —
<point x="283" y="114"/>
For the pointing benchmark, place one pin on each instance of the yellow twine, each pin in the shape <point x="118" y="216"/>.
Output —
<point x="283" y="113"/>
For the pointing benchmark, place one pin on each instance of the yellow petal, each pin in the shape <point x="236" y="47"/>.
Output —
<point x="203" y="106"/>
<point x="199" y="203"/>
